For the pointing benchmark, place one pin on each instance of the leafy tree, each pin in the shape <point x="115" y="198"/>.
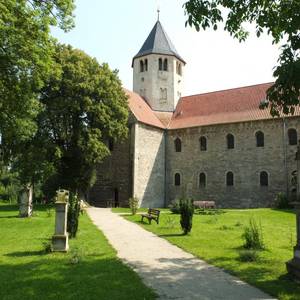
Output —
<point x="279" y="18"/>
<point x="26" y="49"/>
<point x="83" y="108"/>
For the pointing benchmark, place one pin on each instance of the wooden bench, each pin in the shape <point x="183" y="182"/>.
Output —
<point x="152" y="214"/>
<point x="204" y="204"/>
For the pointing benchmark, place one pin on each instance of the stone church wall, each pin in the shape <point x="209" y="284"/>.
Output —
<point x="246" y="161"/>
<point x="114" y="177"/>
<point x="149" y="166"/>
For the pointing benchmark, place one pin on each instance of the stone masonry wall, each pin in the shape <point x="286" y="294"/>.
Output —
<point x="114" y="178"/>
<point x="246" y="161"/>
<point x="149" y="166"/>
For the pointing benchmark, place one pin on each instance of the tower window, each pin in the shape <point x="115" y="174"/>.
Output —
<point x="229" y="179"/>
<point x="202" y="180"/>
<point x="160" y="65"/>
<point x="165" y="64"/>
<point x="230" y="141"/>
<point x="203" y="143"/>
<point x="260" y="139"/>
<point x="146" y="64"/>
<point x="177" y="179"/>
<point x="264" y="178"/>
<point x="177" y="144"/>
<point x="163" y="94"/>
<point x="141" y="66"/>
<point x="178" y="68"/>
<point x="292" y="134"/>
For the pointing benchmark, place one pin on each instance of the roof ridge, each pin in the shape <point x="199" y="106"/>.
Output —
<point x="225" y="90"/>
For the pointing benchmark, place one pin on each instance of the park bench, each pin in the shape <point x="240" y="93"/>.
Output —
<point x="204" y="204"/>
<point x="152" y="214"/>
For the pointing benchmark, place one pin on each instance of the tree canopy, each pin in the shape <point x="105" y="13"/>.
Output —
<point x="279" y="18"/>
<point x="83" y="108"/>
<point x="26" y="49"/>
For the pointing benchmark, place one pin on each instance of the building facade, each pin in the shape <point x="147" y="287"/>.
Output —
<point x="215" y="146"/>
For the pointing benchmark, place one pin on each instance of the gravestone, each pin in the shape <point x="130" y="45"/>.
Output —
<point x="60" y="241"/>
<point x="293" y="266"/>
<point x="25" y="198"/>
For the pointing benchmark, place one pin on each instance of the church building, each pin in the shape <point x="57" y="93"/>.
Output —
<point x="214" y="146"/>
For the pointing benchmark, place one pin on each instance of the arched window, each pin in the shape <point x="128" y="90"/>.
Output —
<point x="141" y="66"/>
<point x="203" y="143"/>
<point x="165" y="64"/>
<point x="202" y="180"/>
<point x="260" y="139"/>
<point x="292" y="133"/>
<point x="229" y="179"/>
<point x="177" y="144"/>
<point x="160" y="65"/>
<point x="146" y="64"/>
<point x="177" y="179"/>
<point x="264" y="178"/>
<point x="230" y="141"/>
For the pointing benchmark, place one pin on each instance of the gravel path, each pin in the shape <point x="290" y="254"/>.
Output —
<point x="170" y="271"/>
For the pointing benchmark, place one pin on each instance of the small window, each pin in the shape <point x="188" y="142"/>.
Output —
<point x="179" y="69"/>
<point x="177" y="144"/>
<point x="141" y="66"/>
<point x="202" y="180"/>
<point x="160" y="65"/>
<point x="146" y="65"/>
<point x="111" y="145"/>
<point x="230" y="141"/>
<point x="264" y="178"/>
<point x="229" y="179"/>
<point x="203" y="143"/>
<point x="177" y="179"/>
<point x="292" y="134"/>
<point x="260" y="139"/>
<point x="165" y="64"/>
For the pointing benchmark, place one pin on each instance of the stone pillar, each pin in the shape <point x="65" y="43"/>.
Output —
<point x="25" y="209"/>
<point x="293" y="266"/>
<point x="60" y="240"/>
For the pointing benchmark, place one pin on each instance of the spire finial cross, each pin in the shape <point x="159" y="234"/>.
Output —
<point x="158" y="11"/>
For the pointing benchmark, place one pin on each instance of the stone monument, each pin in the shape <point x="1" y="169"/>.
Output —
<point x="25" y="209"/>
<point x="293" y="266"/>
<point x="60" y="241"/>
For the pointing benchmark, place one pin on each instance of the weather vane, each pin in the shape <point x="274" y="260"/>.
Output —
<point x="158" y="10"/>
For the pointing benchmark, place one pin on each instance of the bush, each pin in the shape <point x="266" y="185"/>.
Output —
<point x="281" y="201"/>
<point x="73" y="215"/>
<point x="186" y="214"/>
<point x="134" y="205"/>
<point x="175" y="207"/>
<point x="248" y="255"/>
<point x="253" y="236"/>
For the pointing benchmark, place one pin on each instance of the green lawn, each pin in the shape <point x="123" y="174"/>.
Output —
<point x="217" y="240"/>
<point x="28" y="272"/>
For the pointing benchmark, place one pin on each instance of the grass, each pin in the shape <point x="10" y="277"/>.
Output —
<point x="217" y="239"/>
<point x="91" y="270"/>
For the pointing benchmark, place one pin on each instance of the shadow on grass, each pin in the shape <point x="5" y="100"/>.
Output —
<point x="57" y="278"/>
<point x="26" y="253"/>
<point x="9" y="217"/>
<point x="172" y="234"/>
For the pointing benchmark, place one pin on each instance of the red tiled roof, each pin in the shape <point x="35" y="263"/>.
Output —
<point x="228" y="106"/>
<point x="164" y="116"/>
<point x="142" y="110"/>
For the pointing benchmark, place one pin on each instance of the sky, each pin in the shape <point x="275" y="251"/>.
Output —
<point x="114" y="31"/>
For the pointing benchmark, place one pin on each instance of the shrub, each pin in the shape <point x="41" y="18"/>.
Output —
<point x="253" y="236"/>
<point x="186" y="214"/>
<point x="73" y="215"/>
<point x="134" y="205"/>
<point x="175" y="207"/>
<point x="248" y="255"/>
<point x="281" y="201"/>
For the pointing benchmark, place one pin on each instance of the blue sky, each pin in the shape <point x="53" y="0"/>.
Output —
<point x="114" y="31"/>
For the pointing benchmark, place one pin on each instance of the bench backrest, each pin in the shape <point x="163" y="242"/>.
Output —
<point x="153" y="212"/>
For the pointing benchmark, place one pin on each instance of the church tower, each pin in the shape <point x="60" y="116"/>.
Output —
<point x="158" y="71"/>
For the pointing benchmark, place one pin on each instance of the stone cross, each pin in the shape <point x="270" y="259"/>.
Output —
<point x="60" y="241"/>
<point x="25" y="209"/>
<point x="293" y="266"/>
